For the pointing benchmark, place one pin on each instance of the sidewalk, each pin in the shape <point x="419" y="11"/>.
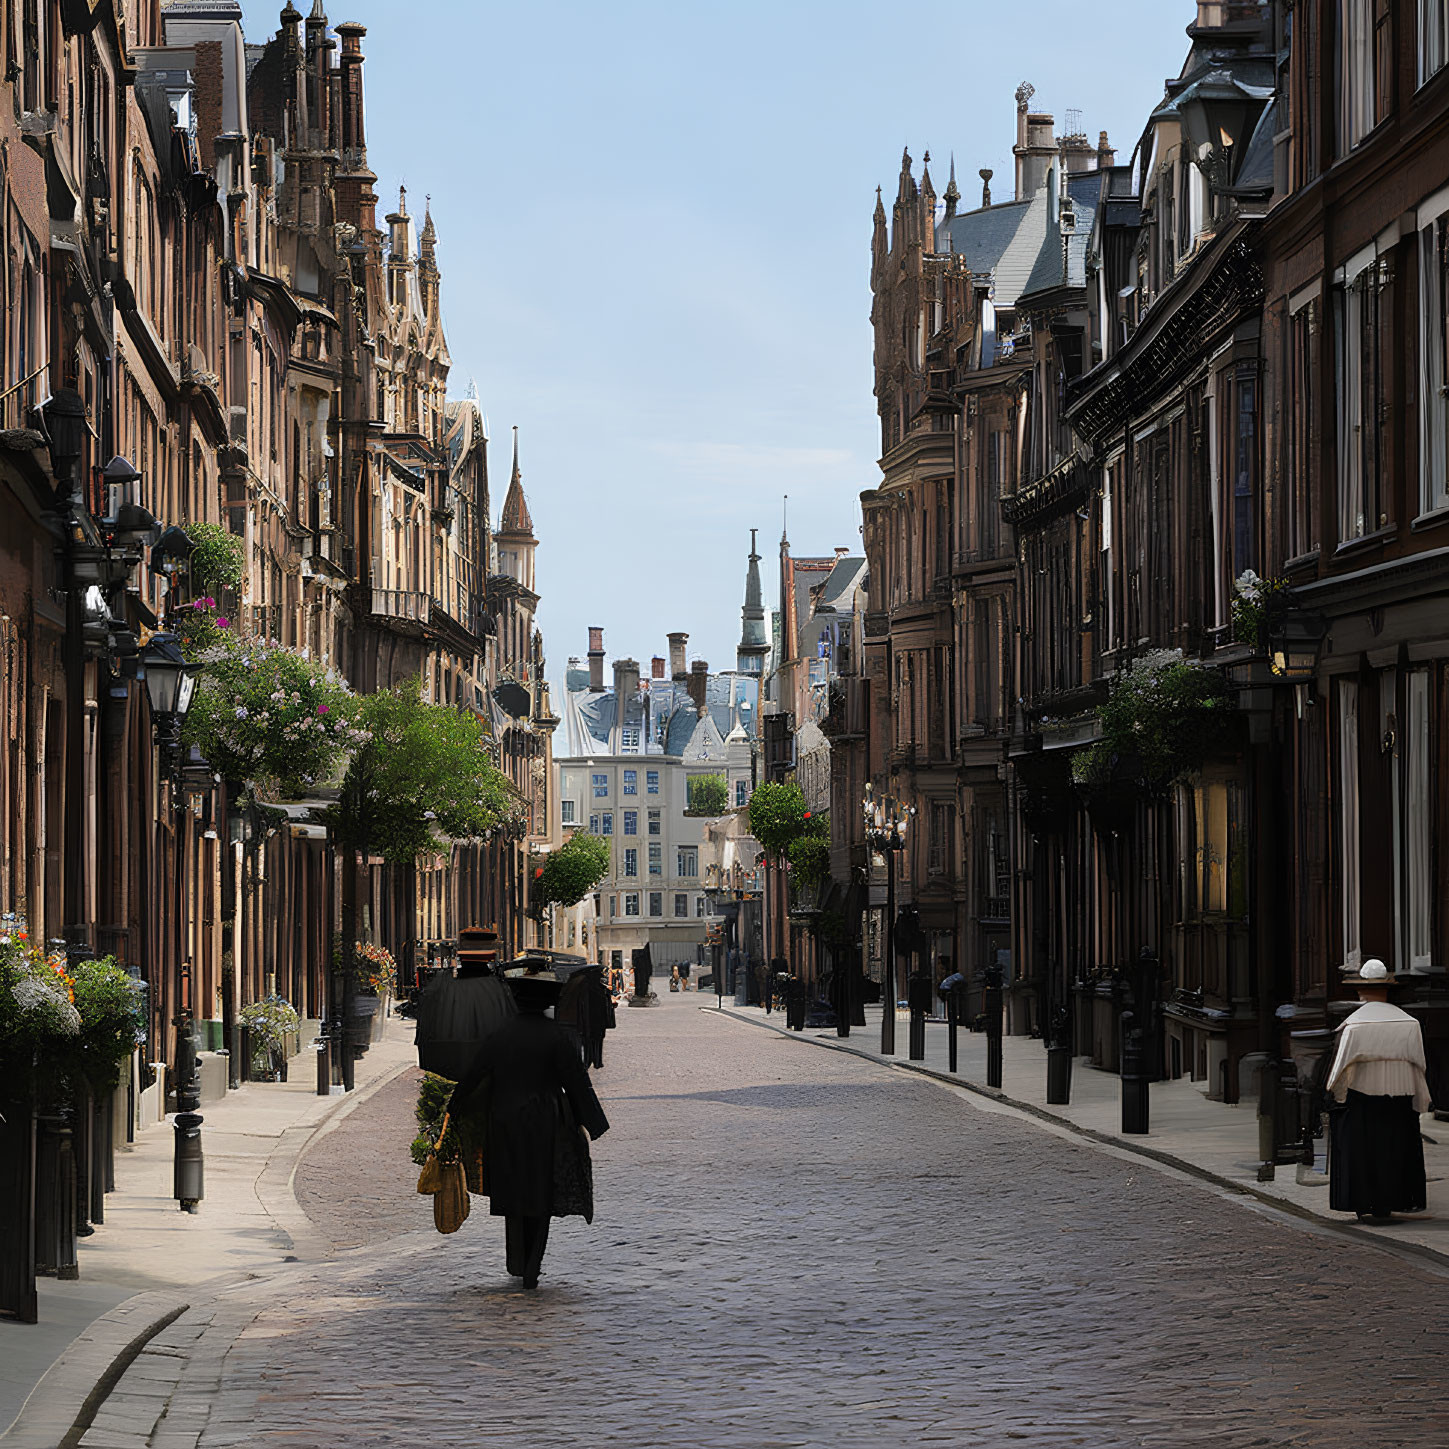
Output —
<point x="147" y="1261"/>
<point x="1209" y="1140"/>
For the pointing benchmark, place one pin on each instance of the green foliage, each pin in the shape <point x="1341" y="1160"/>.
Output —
<point x="433" y="1095"/>
<point x="264" y="713"/>
<point x="1163" y="716"/>
<point x="112" y="1019"/>
<point x="809" y="857"/>
<point x="707" y="795"/>
<point x="420" y="776"/>
<point x="200" y="625"/>
<point x="571" y="871"/>
<point x="778" y="816"/>
<point x="218" y="558"/>
<point x="270" y="1023"/>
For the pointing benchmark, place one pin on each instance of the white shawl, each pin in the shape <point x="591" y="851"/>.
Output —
<point x="1381" y="1054"/>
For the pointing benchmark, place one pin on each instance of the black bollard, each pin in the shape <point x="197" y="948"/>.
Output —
<point x="324" y="1061"/>
<point x="188" y="1166"/>
<point x="952" y="1022"/>
<point x="993" y="1026"/>
<point x="55" y="1221"/>
<point x="1134" y="1077"/>
<point x="918" y="997"/>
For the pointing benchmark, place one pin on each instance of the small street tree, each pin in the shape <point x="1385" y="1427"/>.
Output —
<point x="420" y="777"/>
<point x="569" y="873"/>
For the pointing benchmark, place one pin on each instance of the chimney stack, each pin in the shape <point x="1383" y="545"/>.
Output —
<point x="626" y="682"/>
<point x="698" y="683"/>
<point x="677" y="667"/>
<point x="596" y="660"/>
<point x="656" y="667"/>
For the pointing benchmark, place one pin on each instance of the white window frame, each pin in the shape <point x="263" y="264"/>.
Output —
<point x="567" y="812"/>
<point x="600" y="783"/>
<point x="1349" y="862"/>
<point x="631" y="903"/>
<point x="651" y="782"/>
<point x="631" y="862"/>
<point x="631" y="783"/>
<point x="606" y="822"/>
<point x="687" y="855"/>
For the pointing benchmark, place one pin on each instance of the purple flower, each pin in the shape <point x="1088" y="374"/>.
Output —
<point x="321" y="709"/>
<point x="222" y="624"/>
<point x="210" y="602"/>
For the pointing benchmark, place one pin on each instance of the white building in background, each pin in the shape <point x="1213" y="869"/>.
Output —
<point x="633" y="758"/>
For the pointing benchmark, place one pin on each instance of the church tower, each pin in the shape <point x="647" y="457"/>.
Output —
<point x="514" y="536"/>
<point x="753" y="646"/>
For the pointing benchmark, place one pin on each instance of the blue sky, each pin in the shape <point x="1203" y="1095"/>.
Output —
<point x="654" y="229"/>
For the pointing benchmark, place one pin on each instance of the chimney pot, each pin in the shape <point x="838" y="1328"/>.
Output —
<point x="677" y="668"/>
<point x="656" y="667"/>
<point x="596" y="660"/>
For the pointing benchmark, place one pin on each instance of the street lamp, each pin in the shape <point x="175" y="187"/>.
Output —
<point x="170" y="685"/>
<point x="1295" y="639"/>
<point x="886" y="821"/>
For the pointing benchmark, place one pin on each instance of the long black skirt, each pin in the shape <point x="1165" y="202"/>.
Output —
<point x="1376" y="1156"/>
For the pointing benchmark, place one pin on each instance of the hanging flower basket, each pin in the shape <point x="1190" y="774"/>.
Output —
<point x="1163" y="717"/>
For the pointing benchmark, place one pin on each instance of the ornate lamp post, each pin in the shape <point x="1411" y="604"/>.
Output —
<point x="886" y="821"/>
<point x="170" y="685"/>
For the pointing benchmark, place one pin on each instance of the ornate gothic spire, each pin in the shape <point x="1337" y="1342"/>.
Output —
<point x="515" y="517"/>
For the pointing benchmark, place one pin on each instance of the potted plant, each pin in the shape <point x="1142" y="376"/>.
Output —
<point x="269" y="1023"/>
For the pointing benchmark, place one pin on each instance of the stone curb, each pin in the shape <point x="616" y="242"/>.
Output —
<point x="276" y="1185"/>
<point x="1436" y="1258"/>
<point x="61" y="1407"/>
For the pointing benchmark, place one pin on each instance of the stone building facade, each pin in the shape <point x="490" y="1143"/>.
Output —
<point x="1186" y="421"/>
<point x="194" y="263"/>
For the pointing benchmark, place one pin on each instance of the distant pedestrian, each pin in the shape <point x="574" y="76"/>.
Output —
<point x="1376" y="1154"/>
<point x="529" y="1095"/>
<point x="684" y="975"/>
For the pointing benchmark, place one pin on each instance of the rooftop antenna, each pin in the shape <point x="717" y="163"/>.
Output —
<point x="1074" y="122"/>
<point x="785" y="520"/>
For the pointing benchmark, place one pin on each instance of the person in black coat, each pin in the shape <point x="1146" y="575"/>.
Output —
<point x="533" y="1096"/>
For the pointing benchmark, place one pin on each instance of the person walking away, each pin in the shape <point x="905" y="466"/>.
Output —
<point x="530" y="1088"/>
<point x="1376" y="1155"/>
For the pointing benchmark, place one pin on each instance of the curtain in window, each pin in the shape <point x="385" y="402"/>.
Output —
<point x="1433" y="37"/>
<point x="1433" y="339"/>
<point x="1350" y="412"/>
<point x="1355" y="72"/>
<point x="1348" y="845"/>
<point x="1419" y="806"/>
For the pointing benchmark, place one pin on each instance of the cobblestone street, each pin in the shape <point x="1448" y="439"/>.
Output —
<point x="796" y="1247"/>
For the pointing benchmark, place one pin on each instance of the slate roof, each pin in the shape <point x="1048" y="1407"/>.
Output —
<point x="1085" y="191"/>
<point x="981" y="236"/>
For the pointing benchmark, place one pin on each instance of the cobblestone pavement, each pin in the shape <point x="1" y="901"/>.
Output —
<point x="797" y="1247"/>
